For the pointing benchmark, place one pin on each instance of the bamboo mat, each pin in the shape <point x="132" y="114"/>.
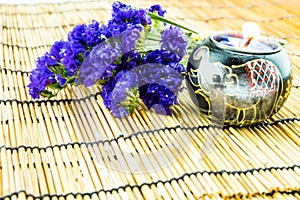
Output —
<point x="71" y="147"/>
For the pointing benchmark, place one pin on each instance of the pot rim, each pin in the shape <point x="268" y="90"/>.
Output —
<point x="265" y="40"/>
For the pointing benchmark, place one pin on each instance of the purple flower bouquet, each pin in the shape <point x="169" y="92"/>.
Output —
<point x="136" y="58"/>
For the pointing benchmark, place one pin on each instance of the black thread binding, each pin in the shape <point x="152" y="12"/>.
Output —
<point x="239" y="172"/>
<point x="144" y="134"/>
<point x="51" y="101"/>
<point x="292" y="119"/>
<point x="25" y="47"/>
<point x="57" y="196"/>
<point x="5" y="70"/>
<point x="269" y="194"/>
<point x="109" y="141"/>
<point x="37" y="27"/>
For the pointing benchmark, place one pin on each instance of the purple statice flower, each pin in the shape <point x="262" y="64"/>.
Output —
<point x="153" y="57"/>
<point x="158" y="85"/>
<point x="174" y="40"/>
<point x="164" y="57"/>
<point x="117" y="5"/>
<point x="78" y="33"/>
<point x="109" y="71"/>
<point x="124" y="15"/>
<point x="75" y="48"/>
<point x="105" y="31"/>
<point x="49" y="59"/>
<point x="130" y="37"/>
<point x="169" y="73"/>
<point x="83" y="36"/>
<point x="178" y="67"/>
<point x="129" y="61"/>
<point x="157" y="8"/>
<point x="93" y="34"/>
<point x="54" y="52"/>
<point x="98" y="63"/>
<point x="144" y="18"/>
<point x="106" y="92"/>
<point x="125" y="81"/>
<point x="40" y="78"/>
<point x="115" y="90"/>
<point x="76" y="39"/>
<point x="115" y="28"/>
<point x="68" y="59"/>
<point x="160" y="80"/>
<point x="61" y="80"/>
<point x="169" y="57"/>
<point x="156" y="94"/>
<point x="52" y="57"/>
<point x="108" y="88"/>
<point x="162" y="75"/>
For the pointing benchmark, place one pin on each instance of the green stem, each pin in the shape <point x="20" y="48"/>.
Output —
<point x="157" y="17"/>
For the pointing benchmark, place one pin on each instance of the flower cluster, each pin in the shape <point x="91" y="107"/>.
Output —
<point x="135" y="58"/>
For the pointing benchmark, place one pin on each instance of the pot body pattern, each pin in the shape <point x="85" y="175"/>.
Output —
<point x="238" y="88"/>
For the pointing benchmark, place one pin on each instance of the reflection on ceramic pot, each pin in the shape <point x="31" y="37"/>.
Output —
<point x="238" y="85"/>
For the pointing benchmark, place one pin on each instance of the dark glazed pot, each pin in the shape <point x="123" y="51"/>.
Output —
<point x="238" y="86"/>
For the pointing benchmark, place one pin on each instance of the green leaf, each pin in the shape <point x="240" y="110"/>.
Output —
<point x="133" y="101"/>
<point x="157" y="17"/>
<point x="149" y="40"/>
<point x="58" y="69"/>
<point x="80" y="57"/>
<point x="54" y="86"/>
<point x="47" y="93"/>
<point x="101" y="82"/>
<point x="70" y="80"/>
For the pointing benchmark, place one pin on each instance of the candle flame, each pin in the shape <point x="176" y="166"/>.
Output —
<point x="251" y="30"/>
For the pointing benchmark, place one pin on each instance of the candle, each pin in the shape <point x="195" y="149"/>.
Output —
<point x="235" y="41"/>
<point x="248" y="40"/>
<point x="250" y="31"/>
<point x="239" y="78"/>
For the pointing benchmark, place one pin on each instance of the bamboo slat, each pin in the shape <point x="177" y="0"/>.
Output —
<point x="71" y="147"/>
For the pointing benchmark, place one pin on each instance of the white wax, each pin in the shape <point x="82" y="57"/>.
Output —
<point x="239" y="43"/>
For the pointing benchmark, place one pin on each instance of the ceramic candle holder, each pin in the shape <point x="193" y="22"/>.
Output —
<point x="236" y="85"/>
